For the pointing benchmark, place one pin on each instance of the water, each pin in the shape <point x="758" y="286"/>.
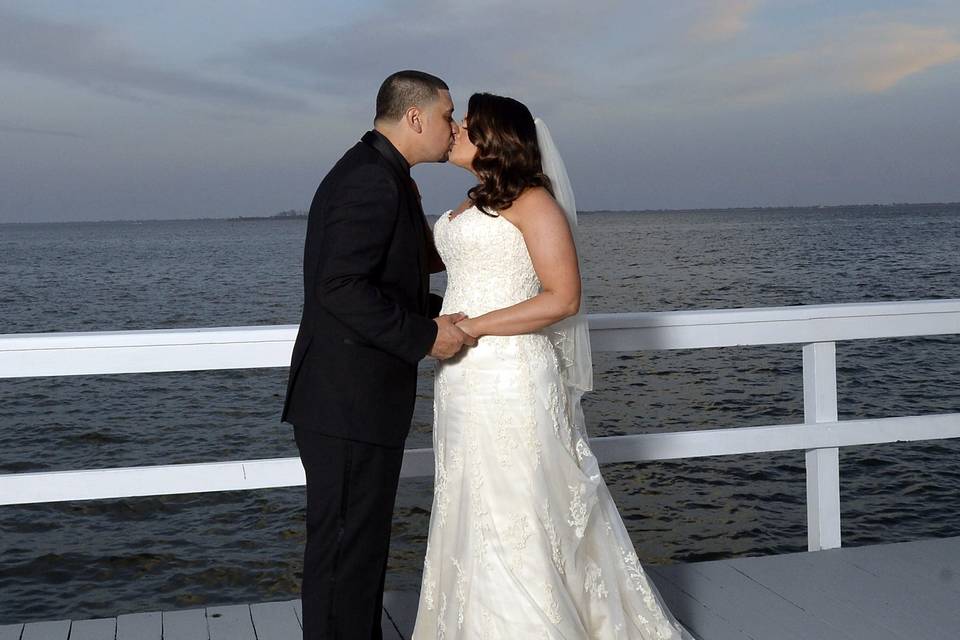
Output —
<point x="103" y="558"/>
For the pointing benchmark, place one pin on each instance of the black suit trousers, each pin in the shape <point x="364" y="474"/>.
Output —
<point x="351" y="489"/>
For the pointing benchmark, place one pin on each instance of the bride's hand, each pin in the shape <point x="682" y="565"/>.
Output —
<point x="468" y="326"/>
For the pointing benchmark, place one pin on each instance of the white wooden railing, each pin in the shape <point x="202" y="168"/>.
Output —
<point x="817" y="328"/>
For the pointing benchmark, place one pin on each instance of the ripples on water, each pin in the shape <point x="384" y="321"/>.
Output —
<point x="106" y="557"/>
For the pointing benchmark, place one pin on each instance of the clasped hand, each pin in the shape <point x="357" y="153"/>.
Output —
<point x="451" y="338"/>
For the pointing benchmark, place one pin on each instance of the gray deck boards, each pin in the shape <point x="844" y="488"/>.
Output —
<point x="401" y="610"/>
<point x="908" y="590"/>
<point x="11" y="631"/>
<point x="275" y="620"/>
<point x="231" y="623"/>
<point x="698" y="618"/>
<point x="103" y="629"/>
<point x="726" y="591"/>
<point x="140" y="626"/>
<point x="185" y="625"/>
<point x="882" y="592"/>
<point x="53" y="630"/>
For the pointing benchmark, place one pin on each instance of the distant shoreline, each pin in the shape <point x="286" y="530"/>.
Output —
<point x="294" y="214"/>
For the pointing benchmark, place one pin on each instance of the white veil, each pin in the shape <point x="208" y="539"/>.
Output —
<point x="571" y="336"/>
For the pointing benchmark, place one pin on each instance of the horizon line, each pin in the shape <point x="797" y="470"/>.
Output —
<point x="276" y="216"/>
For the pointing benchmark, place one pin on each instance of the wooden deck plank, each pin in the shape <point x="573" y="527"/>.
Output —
<point x="786" y="575"/>
<point x="99" y="629"/>
<point x="189" y="624"/>
<point x="941" y="555"/>
<point x="275" y="621"/>
<point x="11" y="631"/>
<point x="232" y="622"/>
<point x="914" y="604"/>
<point x="140" y="626"/>
<point x="53" y="630"/>
<point x="401" y="607"/>
<point x="911" y="576"/>
<point x="762" y="613"/>
<point x="915" y="611"/>
<point x="692" y="614"/>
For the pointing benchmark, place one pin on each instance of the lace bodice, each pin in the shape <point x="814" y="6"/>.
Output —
<point x="488" y="266"/>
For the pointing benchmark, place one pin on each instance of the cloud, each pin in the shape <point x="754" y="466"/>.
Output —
<point x="844" y="58"/>
<point x="870" y="59"/>
<point x="486" y="44"/>
<point x="722" y="20"/>
<point x="888" y="55"/>
<point x="95" y="59"/>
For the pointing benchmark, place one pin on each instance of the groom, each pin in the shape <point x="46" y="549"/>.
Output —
<point x="366" y="324"/>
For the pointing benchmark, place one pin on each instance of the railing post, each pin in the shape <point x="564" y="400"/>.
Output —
<point x="823" y="465"/>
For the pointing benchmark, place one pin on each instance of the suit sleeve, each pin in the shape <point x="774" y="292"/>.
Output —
<point x="433" y="256"/>
<point x="358" y="225"/>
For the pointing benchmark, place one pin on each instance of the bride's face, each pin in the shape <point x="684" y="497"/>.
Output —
<point x="463" y="150"/>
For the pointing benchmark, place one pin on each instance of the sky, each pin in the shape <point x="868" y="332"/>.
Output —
<point x="181" y="109"/>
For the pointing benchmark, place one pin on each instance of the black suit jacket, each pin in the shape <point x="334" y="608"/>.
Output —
<point x="367" y="307"/>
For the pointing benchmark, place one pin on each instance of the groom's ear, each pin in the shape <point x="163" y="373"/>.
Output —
<point x="412" y="118"/>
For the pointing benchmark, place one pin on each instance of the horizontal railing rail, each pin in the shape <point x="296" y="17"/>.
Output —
<point x="816" y="327"/>
<point x="128" y="482"/>
<point x="158" y="350"/>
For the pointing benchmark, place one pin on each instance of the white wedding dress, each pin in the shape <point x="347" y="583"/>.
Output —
<point x="525" y="540"/>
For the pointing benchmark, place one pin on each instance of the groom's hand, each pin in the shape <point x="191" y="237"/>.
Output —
<point x="450" y="338"/>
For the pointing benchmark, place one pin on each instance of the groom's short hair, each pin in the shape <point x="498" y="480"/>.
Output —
<point x="405" y="89"/>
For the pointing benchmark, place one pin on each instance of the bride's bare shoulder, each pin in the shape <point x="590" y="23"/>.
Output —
<point x="536" y="201"/>
<point x="534" y="197"/>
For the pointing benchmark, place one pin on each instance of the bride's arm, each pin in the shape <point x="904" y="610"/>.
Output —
<point x="547" y="235"/>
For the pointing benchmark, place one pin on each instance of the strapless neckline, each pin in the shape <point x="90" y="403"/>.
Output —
<point x="474" y="209"/>
<point x="453" y="218"/>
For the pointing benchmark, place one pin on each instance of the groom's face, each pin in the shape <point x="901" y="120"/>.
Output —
<point x="439" y="127"/>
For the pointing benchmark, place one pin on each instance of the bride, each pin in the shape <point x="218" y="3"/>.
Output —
<point x="525" y="540"/>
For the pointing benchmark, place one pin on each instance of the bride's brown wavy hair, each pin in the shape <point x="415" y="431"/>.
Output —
<point x="508" y="156"/>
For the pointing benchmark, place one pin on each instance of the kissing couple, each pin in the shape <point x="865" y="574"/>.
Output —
<point x="524" y="539"/>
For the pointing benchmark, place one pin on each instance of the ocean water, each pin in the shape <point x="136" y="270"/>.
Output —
<point x="103" y="558"/>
